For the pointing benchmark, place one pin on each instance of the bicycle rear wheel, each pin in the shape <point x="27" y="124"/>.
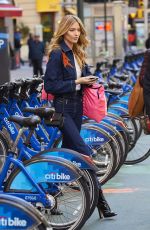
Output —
<point x="106" y="160"/>
<point x="4" y="146"/>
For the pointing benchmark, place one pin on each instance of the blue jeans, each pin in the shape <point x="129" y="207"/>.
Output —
<point x="72" y="109"/>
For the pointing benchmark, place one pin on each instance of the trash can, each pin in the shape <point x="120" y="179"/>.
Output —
<point x="4" y="58"/>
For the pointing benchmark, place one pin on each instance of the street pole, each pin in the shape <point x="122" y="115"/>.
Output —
<point x="80" y="9"/>
<point x="145" y="19"/>
<point x="105" y="24"/>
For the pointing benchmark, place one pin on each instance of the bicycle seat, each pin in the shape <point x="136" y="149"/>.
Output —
<point x="13" y="89"/>
<point x="37" y="80"/>
<point x="31" y="121"/>
<point x="27" y="82"/>
<point x="117" y="59"/>
<point x="114" y="92"/>
<point x="4" y="89"/>
<point x="121" y="77"/>
<point x="42" y="112"/>
<point x="18" y="83"/>
<point x="132" y="70"/>
<point x="115" y="85"/>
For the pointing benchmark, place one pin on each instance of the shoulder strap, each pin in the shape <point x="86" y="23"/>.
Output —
<point x="144" y="66"/>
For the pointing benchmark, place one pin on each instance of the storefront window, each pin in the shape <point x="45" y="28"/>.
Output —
<point x="47" y="21"/>
<point x="1" y="22"/>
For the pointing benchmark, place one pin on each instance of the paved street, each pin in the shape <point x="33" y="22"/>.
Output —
<point x="128" y="195"/>
<point x="128" y="192"/>
<point x="23" y="72"/>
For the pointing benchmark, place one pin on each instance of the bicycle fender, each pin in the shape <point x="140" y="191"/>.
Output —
<point x="92" y="136"/>
<point x="28" y="217"/>
<point x="79" y="160"/>
<point x="44" y="169"/>
<point x="106" y="129"/>
<point x="118" y="111"/>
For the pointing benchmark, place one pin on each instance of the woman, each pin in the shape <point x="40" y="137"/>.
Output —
<point x="66" y="73"/>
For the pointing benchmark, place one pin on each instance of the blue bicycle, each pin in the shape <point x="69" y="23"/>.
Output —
<point x="53" y="185"/>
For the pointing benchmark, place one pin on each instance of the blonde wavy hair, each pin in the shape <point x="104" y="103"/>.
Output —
<point x="78" y="48"/>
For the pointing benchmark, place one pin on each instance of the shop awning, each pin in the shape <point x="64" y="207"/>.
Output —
<point x="9" y="10"/>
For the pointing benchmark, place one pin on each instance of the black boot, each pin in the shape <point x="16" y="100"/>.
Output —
<point x="103" y="207"/>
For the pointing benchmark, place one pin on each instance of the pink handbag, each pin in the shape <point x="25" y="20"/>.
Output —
<point x="46" y="96"/>
<point x="94" y="102"/>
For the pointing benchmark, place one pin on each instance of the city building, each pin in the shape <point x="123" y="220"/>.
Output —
<point x="8" y="10"/>
<point x="43" y="16"/>
<point x="111" y="25"/>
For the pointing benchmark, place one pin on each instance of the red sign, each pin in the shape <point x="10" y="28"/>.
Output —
<point x="101" y="26"/>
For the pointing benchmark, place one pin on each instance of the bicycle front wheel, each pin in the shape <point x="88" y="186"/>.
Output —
<point x="72" y="198"/>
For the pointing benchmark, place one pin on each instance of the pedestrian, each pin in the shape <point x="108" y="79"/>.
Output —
<point x="29" y="43"/>
<point x="147" y="42"/>
<point x="37" y="51"/>
<point x="17" y="46"/>
<point x="66" y="74"/>
<point x="146" y="83"/>
<point x="12" y="57"/>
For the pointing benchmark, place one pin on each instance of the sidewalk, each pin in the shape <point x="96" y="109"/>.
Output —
<point x="25" y="71"/>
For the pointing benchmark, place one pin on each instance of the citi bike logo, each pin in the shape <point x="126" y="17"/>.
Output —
<point x="15" y="222"/>
<point x="57" y="176"/>
<point x="94" y="139"/>
<point x="78" y="164"/>
<point x="10" y="127"/>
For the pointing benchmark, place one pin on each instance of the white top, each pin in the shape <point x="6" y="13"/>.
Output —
<point x="78" y="72"/>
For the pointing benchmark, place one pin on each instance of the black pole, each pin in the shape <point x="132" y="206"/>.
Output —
<point x="80" y="9"/>
<point x="105" y="24"/>
<point x="4" y="57"/>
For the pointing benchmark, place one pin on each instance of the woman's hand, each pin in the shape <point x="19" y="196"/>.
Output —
<point x="89" y="80"/>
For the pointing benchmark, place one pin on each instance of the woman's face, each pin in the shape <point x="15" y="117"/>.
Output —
<point x="73" y="34"/>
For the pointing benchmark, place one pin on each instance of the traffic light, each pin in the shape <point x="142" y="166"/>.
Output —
<point x="95" y="1"/>
<point x="140" y="13"/>
<point x="141" y="3"/>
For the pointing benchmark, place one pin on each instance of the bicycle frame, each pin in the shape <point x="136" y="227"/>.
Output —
<point x="40" y="196"/>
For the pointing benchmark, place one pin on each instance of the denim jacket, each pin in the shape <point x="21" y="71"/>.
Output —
<point x="60" y="72"/>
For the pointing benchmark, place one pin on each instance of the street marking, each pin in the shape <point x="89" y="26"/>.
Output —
<point x="120" y="190"/>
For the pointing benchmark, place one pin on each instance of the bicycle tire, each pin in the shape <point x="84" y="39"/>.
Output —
<point x="90" y="177"/>
<point x="139" y="160"/>
<point x="107" y="148"/>
<point x="94" y="189"/>
<point x="140" y="152"/>
<point x="117" y="145"/>
<point x="126" y="143"/>
<point x="4" y="146"/>
<point x="105" y="127"/>
<point x="130" y="122"/>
